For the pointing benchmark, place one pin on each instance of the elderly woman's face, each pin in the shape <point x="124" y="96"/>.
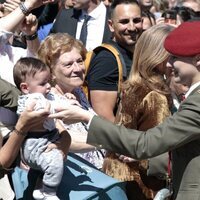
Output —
<point x="69" y="71"/>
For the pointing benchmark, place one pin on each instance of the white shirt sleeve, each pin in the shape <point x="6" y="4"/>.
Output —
<point x="4" y="37"/>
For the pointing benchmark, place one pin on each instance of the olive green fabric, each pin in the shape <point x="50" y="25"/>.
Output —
<point x="179" y="134"/>
<point x="8" y="95"/>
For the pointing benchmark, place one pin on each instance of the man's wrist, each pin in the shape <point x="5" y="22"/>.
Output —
<point x="24" y="8"/>
<point x="28" y="5"/>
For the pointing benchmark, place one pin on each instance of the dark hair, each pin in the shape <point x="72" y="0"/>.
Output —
<point x="27" y="67"/>
<point x="185" y="13"/>
<point x="170" y="14"/>
<point x="115" y="3"/>
<point x="150" y="16"/>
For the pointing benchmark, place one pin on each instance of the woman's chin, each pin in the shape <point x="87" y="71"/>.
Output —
<point x="76" y="85"/>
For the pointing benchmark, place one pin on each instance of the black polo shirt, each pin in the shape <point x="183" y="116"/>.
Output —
<point x="103" y="72"/>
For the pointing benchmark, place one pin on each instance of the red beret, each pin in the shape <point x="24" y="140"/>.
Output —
<point x="184" y="40"/>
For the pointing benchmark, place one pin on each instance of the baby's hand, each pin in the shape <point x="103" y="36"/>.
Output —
<point x="69" y="96"/>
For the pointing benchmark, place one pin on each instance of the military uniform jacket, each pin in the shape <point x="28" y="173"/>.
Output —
<point x="179" y="134"/>
<point x="8" y="95"/>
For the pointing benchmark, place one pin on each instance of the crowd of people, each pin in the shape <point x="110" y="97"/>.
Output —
<point x="137" y="122"/>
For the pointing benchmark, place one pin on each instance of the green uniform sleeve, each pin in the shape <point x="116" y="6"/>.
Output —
<point x="8" y="95"/>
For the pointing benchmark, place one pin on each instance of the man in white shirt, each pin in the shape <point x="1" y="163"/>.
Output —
<point x="71" y="20"/>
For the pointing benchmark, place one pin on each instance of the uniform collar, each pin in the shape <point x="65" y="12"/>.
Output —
<point x="192" y="89"/>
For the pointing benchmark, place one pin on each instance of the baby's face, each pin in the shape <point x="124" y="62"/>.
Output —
<point x="39" y="83"/>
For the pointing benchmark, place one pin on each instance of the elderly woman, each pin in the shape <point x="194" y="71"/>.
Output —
<point x="65" y="56"/>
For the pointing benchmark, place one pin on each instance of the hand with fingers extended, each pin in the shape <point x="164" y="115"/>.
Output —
<point x="72" y="113"/>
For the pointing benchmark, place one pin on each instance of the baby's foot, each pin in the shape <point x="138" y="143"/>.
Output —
<point x="40" y="195"/>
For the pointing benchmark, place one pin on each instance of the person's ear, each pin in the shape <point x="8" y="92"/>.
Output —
<point x="24" y="88"/>
<point x="111" y="25"/>
<point x="197" y="58"/>
<point x="196" y="61"/>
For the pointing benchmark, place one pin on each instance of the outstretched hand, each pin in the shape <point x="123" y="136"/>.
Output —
<point x="72" y="113"/>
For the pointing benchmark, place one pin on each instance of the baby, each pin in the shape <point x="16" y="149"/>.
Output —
<point x="32" y="77"/>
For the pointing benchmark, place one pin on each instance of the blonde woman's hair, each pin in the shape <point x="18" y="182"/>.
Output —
<point x="148" y="55"/>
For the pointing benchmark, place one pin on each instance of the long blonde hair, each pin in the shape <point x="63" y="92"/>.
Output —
<point x="149" y="53"/>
